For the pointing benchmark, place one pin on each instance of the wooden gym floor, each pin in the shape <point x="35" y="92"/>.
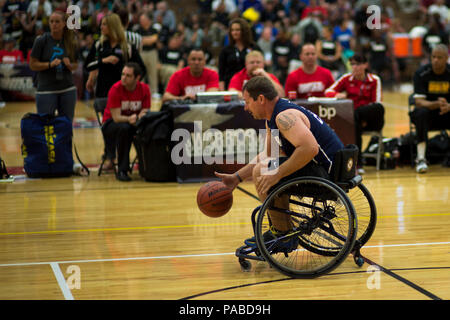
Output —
<point x="97" y="238"/>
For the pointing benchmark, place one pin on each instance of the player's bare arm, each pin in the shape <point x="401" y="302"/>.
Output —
<point x="295" y="127"/>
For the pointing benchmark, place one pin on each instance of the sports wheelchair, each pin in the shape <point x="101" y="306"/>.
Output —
<point x="323" y="214"/>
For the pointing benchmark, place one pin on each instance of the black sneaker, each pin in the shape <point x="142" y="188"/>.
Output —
<point x="123" y="176"/>
<point x="270" y="237"/>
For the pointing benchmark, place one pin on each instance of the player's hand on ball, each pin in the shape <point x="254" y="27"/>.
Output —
<point x="230" y="180"/>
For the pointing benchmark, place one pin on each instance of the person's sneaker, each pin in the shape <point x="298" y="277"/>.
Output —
<point x="123" y="176"/>
<point x="361" y="171"/>
<point x="270" y="239"/>
<point x="421" y="166"/>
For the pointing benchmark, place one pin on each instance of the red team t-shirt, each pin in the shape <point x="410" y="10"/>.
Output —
<point x="15" y="56"/>
<point x="182" y="82"/>
<point x="360" y="92"/>
<point x="309" y="85"/>
<point x="130" y="102"/>
<point x="240" y="79"/>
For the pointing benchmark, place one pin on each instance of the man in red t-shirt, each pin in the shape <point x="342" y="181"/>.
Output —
<point x="187" y="82"/>
<point x="128" y="100"/>
<point x="9" y="55"/>
<point x="254" y="66"/>
<point x="310" y="80"/>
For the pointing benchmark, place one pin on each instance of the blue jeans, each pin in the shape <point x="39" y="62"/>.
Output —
<point x="64" y="102"/>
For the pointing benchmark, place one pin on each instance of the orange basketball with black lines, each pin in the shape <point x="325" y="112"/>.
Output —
<point x="214" y="199"/>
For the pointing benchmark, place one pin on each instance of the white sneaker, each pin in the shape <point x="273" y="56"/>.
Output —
<point x="421" y="166"/>
<point x="361" y="171"/>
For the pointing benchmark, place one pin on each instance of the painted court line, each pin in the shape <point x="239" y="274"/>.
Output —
<point x="194" y="255"/>
<point x="191" y="225"/>
<point x="61" y="281"/>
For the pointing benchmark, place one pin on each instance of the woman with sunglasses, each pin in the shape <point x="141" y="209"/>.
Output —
<point x="364" y="89"/>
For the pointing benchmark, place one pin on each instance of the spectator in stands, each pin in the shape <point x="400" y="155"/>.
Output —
<point x="228" y="6"/>
<point x="309" y="80"/>
<point x="128" y="100"/>
<point x="171" y="58"/>
<point x="37" y="5"/>
<point x="364" y="89"/>
<point x="108" y="56"/>
<point x="329" y="52"/>
<point x="12" y="11"/>
<point x="432" y="101"/>
<point x="194" y="32"/>
<point x="54" y="57"/>
<point x="381" y="57"/>
<point x="265" y="42"/>
<point x="345" y="36"/>
<point x="232" y="57"/>
<point x="435" y="35"/>
<point x="315" y="6"/>
<point x="441" y="9"/>
<point x="10" y="55"/>
<point x="149" y="50"/>
<point x="281" y="53"/>
<point x="167" y="16"/>
<point x="254" y="66"/>
<point x="310" y="28"/>
<point x="273" y="11"/>
<point x="187" y="82"/>
<point x="88" y="4"/>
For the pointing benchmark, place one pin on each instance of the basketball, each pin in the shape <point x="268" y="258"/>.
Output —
<point x="214" y="199"/>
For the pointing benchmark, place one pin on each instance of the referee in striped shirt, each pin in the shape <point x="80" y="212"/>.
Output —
<point x="133" y="38"/>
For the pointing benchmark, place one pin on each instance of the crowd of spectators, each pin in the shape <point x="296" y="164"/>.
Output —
<point x="278" y="28"/>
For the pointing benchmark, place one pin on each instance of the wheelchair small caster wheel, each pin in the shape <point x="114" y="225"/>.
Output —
<point x="245" y="265"/>
<point x="359" y="261"/>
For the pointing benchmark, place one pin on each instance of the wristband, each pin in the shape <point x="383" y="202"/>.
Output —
<point x="238" y="176"/>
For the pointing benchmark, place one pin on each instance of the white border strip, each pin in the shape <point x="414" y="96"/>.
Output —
<point x="61" y="281"/>
<point x="193" y="256"/>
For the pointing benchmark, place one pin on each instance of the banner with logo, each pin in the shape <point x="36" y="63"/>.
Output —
<point x="213" y="137"/>
<point x="16" y="82"/>
<point x="224" y="137"/>
<point x="338" y="114"/>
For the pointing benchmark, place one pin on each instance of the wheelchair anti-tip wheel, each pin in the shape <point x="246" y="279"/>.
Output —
<point x="324" y="227"/>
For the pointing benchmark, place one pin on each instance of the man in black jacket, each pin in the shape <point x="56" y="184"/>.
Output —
<point x="432" y="101"/>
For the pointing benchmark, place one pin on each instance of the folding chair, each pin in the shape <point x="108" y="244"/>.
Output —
<point x="99" y="108"/>
<point x="379" y="154"/>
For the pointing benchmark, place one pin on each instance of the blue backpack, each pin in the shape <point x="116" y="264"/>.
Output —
<point x="47" y="145"/>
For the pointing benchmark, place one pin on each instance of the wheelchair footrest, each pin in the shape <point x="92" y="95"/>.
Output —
<point x="249" y="252"/>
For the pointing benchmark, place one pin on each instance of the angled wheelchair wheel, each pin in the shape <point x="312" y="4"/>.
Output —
<point x="366" y="212"/>
<point x="322" y="222"/>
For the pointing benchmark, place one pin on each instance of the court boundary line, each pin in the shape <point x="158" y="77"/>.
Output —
<point x="200" y="255"/>
<point x="403" y="280"/>
<point x="286" y="279"/>
<point x="61" y="281"/>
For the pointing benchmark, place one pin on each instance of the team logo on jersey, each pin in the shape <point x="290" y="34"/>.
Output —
<point x="349" y="164"/>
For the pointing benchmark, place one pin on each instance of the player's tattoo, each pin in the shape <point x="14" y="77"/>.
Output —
<point x="286" y="121"/>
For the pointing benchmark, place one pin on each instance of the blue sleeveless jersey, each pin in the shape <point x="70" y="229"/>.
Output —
<point x="328" y="141"/>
